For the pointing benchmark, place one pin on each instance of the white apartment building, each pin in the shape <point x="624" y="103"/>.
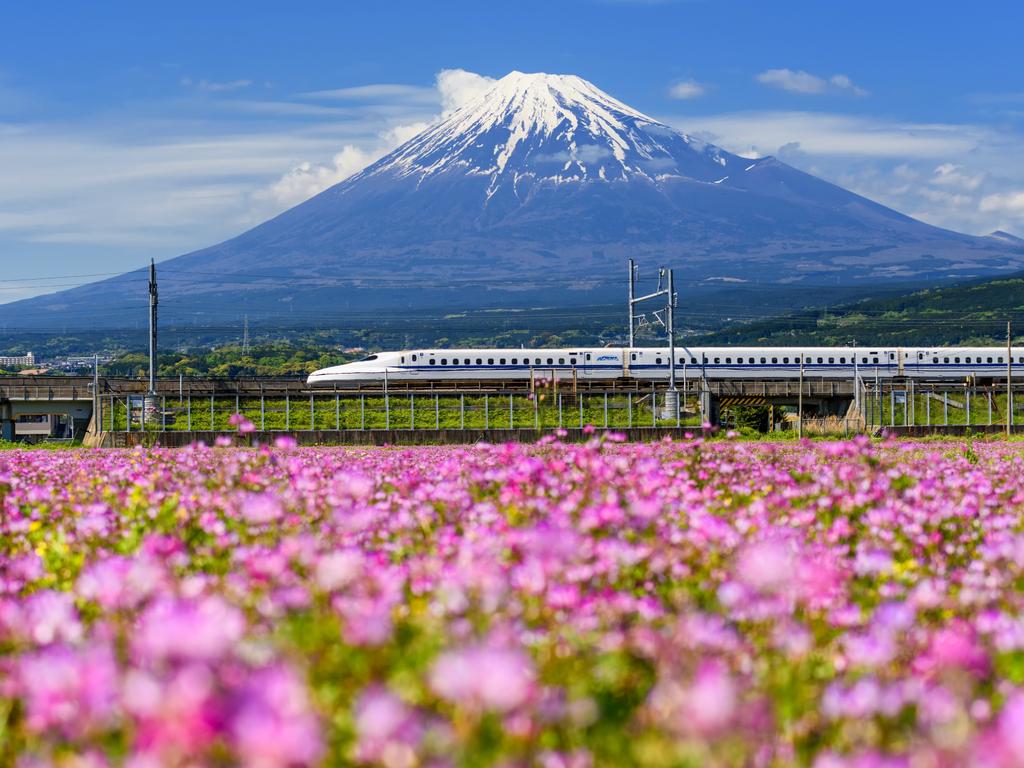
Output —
<point x="11" y="360"/>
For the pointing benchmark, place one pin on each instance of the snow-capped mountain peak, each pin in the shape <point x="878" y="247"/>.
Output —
<point x="551" y="127"/>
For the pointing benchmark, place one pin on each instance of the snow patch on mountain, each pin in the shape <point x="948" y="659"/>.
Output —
<point x="559" y="128"/>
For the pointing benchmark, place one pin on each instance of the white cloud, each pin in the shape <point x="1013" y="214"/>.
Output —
<point x="453" y="88"/>
<point x="686" y="89"/>
<point x="952" y="175"/>
<point x="457" y="87"/>
<point x="210" y="86"/>
<point x="308" y="179"/>
<point x="378" y="91"/>
<point x="798" y="81"/>
<point x="948" y="174"/>
<point x="823" y="133"/>
<point x="1005" y="202"/>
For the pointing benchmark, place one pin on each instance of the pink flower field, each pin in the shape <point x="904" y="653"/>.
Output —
<point x="677" y="604"/>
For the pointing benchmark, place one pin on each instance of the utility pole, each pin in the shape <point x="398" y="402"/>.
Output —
<point x="97" y="424"/>
<point x="1009" y="380"/>
<point x="800" y="402"/>
<point x="671" y="328"/>
<point x="153" y="300"/>
<point x="632" y="298"/>
<point x="245" y="336"/>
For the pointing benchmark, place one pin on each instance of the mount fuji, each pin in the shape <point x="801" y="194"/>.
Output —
<point x="541" y="187"/>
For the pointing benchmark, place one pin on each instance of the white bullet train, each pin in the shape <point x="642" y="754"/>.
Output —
<point x="652" y="363"/>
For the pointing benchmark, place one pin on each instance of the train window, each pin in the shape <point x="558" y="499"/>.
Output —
<point x="414" y="358"/>
<point x="935" y="361"/>
<point x="682" y="361"/>
<point x="468" y="361"/>
<point x="561" y="361"/>
<point x="403" y="358"/>
<point x="536" y="361"/>
<point x="990" y="359"/>
<point x="967" y="359"/>
<point x="842" y="361"/>
<point x="775" y="360"/>
<point x="728" y="361"/>
<point x="588" y="355"/>
<point x="693" y="361"/>
<point x="956" y="359"/>
<point x="821" y="360"/>
<point x="551" y="361"/>
<point x="785" y="361"/>
<point x="433" y="361"/>
<point x="501" y="361"/>
<point x="633" y="356"/>
<point x="764" y="360"/>
<point x="479" y="361"/>
<point x="753" y="360"/>
<point x="657" y="361"/>
<point x="572" y="361"/>
<point x="490" y="361"/>
<point x="444" y="361"/>
<point x="515" y="361"/>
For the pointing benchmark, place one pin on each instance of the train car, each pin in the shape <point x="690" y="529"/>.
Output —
<point x="653" y="363"/>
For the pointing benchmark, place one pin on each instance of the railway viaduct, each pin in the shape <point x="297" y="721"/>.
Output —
<point x="102" y="412"/>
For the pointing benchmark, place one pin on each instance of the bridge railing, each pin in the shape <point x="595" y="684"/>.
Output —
<point x="940" y="404"/>
<point x="335" y="411"/>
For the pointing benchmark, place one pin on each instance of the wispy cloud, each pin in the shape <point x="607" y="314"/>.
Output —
<point x="211" y="86"/>
<point x="823" y="133"/>
<point x="798" y="81"/>
<point x="1005" y="202"/>
<point x="686" y="89"/>
<point x="953" y="175"/>
<point x="202" y="170"/>
<point x="376" y="92"/>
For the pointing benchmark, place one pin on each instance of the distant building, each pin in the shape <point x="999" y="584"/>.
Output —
<point x="17" y="360"/>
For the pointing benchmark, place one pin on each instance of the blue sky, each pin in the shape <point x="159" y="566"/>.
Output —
<point x="131" y="130"/>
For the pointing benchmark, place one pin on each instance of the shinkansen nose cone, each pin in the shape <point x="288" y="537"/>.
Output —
<point x="367" y="369"/>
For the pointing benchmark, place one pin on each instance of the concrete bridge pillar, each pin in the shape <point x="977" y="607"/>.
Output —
<point x="709" y="409"/>
<point x="6" y="421"/>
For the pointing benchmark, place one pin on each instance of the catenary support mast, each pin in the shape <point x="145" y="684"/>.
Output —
<point x="152" y="326"/>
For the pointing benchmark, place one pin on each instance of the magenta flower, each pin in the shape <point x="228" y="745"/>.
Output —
<point x="204" y="628"/>
<point x="73" y="691"/>
<point x="274" y="725"/>
<point x="491" y="678"/>
<point x="389" y="731"/>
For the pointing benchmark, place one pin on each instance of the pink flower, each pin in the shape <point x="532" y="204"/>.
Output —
<point x="73" y="691"/>
<point x="261" y="508"/>
<point x="712" y="698"/>
<point x="336" y="569"/>
<point x="243" y="425"/>
<point x="766" y="566"/>
<point x="200" y="629"/>
<point x="386" y="727"/>
<point x="50" y="616"/>
<point x="481" y="676"/>
<point x="274" y="725"/>
<point x="177" y="714"/>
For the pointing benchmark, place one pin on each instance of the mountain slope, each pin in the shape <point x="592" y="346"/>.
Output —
<point x="538" y="190"/>
<point x="970" y="312"/>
